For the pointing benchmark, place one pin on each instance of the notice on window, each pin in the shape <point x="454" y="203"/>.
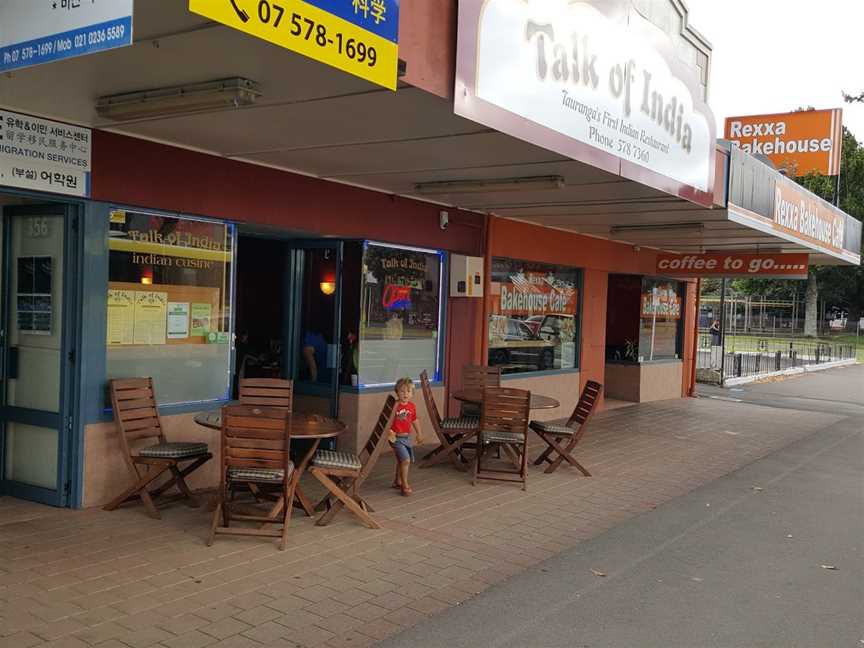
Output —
<point x="150" y="317"/>
<point x="121" y="317"/>
<point x="33" y="299"/>
<point x="178" y="320"/>
<point x="201" y="315"/>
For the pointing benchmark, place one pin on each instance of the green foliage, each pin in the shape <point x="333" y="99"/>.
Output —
<point x="839" y="286"/>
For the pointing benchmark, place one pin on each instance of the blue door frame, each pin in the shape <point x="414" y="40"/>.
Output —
<point x="63" y="420"/>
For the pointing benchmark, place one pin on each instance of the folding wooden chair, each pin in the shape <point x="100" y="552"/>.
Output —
<point x="504" y="423"/>
<point x="478" y="377"/>
<point x="554" y="433"/>
<point x="266" y="392"/>
<point x="255" y="451"/>
<point x="349" y="471"/>
<point x="454" y="434"/>
<point x="137" y="417"/>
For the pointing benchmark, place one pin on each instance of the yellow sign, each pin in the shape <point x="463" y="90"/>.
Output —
<point x="306" y="29"/>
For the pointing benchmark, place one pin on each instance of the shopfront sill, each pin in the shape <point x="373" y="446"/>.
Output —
<point x="628" y="363"/>
<point x="107" y="414"/>
<point x="381" y="389"/>
<point x="538" y="374"/>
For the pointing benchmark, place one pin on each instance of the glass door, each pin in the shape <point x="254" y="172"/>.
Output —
<point x="312" y="348"/>
<point x="35" y="425"/>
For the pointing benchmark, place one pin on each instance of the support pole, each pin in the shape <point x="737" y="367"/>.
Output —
<point x="722" y="330"/>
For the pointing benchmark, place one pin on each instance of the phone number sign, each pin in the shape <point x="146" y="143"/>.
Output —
<point x="360" y="37"/>
<point x="33" y="32"/>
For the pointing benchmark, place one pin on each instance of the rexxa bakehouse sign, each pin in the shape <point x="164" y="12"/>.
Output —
<point x="568" y="67"/>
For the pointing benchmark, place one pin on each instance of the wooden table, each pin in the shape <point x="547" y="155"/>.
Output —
<point x="306" y="427"/>
<point x="476" y="396"/>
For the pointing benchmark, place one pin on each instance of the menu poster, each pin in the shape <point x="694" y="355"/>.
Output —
<point x="150" y="317"/>
<point x="201" y="314"/>
<point x="121" y="316"/>
<point x="33" y="299"/>
<point x="178" y="320"/>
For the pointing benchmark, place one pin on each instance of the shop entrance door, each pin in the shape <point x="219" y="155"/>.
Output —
<point x="312" y="351"/>
<point x="36" y="354"/>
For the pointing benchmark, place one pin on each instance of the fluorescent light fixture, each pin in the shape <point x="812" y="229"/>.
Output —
<point x="492" y="185"/>
<point x="665" y="228"/>
<point x="161" y="102"/>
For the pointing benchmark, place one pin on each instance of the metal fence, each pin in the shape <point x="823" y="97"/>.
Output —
<point x="759" y="356"/>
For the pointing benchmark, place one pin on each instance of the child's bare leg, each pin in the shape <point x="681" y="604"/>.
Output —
<point x="403" y="473"/>
<point x="396" y="466"/>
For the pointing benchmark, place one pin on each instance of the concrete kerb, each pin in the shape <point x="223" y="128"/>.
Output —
<point x="792" y="371"/>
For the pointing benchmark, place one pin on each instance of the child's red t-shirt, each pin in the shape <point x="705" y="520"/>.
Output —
<point x="405" y="415"/>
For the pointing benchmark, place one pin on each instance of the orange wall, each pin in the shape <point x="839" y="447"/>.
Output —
<point x="597" y="257"/>
<point x="427" y="44"/>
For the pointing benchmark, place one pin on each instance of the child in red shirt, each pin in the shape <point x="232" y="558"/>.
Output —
<point x="402" y="420"/>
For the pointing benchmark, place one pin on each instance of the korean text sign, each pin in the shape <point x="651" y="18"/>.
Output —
<point x="34" y="32"/>
<point x="801" y="142"/>
<point x="733" y="264"/>
<point x="44" y="155"/>
<point x="360" y="37"/>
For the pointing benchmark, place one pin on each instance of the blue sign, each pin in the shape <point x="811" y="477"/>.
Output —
<point x="380" y="17"/>
<point x="32" y="33"/>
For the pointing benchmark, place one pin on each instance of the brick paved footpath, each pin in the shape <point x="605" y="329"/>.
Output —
<point x="74" y="579"/>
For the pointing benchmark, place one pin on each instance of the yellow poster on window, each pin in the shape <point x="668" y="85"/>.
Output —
<point x="151" y="317"/>
<point x="121" y="316"/>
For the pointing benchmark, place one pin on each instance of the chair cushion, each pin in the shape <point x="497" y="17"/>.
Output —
<point x="174" y="450"/>
<point x="502" y="437"/>
<point x="552" y="428"/>
<point x="266" y="475"/>
<point x="334" y="459"/>
<point x="460" y="423"/>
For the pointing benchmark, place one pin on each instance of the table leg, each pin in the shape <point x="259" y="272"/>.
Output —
<point x="300" y="497"/>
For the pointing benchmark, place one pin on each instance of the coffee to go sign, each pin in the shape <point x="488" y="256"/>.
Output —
<point x="733" y="264"/>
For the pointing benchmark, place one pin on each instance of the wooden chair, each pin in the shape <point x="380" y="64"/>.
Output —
<point x="137" y="418"/>
<point x="554" y="433"/>
<point x="454" y="434"/>
<point x="342" y="473"/>
<point x="478" y="377"/>
<point x="504" y="423"/>
<point x="255" y="451"/>
<point x="266" y="392"/>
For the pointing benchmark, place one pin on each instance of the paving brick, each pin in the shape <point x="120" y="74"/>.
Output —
<point x="267" y="633"/>
<point x="193" y="639"/>
<point x="225" y="628"/>
<point x="258" y="615"/>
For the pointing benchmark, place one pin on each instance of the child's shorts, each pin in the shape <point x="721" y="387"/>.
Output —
<point x="403" y="448"/>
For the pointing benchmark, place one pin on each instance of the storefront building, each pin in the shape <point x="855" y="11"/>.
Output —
<point x="344" y="235"/>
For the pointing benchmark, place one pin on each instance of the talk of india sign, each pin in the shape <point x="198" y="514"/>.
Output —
<point x="586" y="82"/>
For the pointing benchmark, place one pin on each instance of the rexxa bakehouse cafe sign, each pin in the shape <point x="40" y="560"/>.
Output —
<point x="572" y="70"/>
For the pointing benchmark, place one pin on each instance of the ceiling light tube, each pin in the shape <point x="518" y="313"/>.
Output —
<point x="162" y="102"/>
<point x="492" y="185"/>
<point x="664" y="228"/>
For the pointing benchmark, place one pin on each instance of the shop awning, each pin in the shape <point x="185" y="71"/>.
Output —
<point x="318" y="121"/>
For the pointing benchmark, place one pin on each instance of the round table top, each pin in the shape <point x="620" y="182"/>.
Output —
<point x="303" y="426"/>
<point x="538" y="401"/>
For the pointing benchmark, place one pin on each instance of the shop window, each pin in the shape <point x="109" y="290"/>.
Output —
<point x="534" y="318"/>
<point x="660" y="320"/>
<point x="400" y="314"/>
<point x="169" y="304"/>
